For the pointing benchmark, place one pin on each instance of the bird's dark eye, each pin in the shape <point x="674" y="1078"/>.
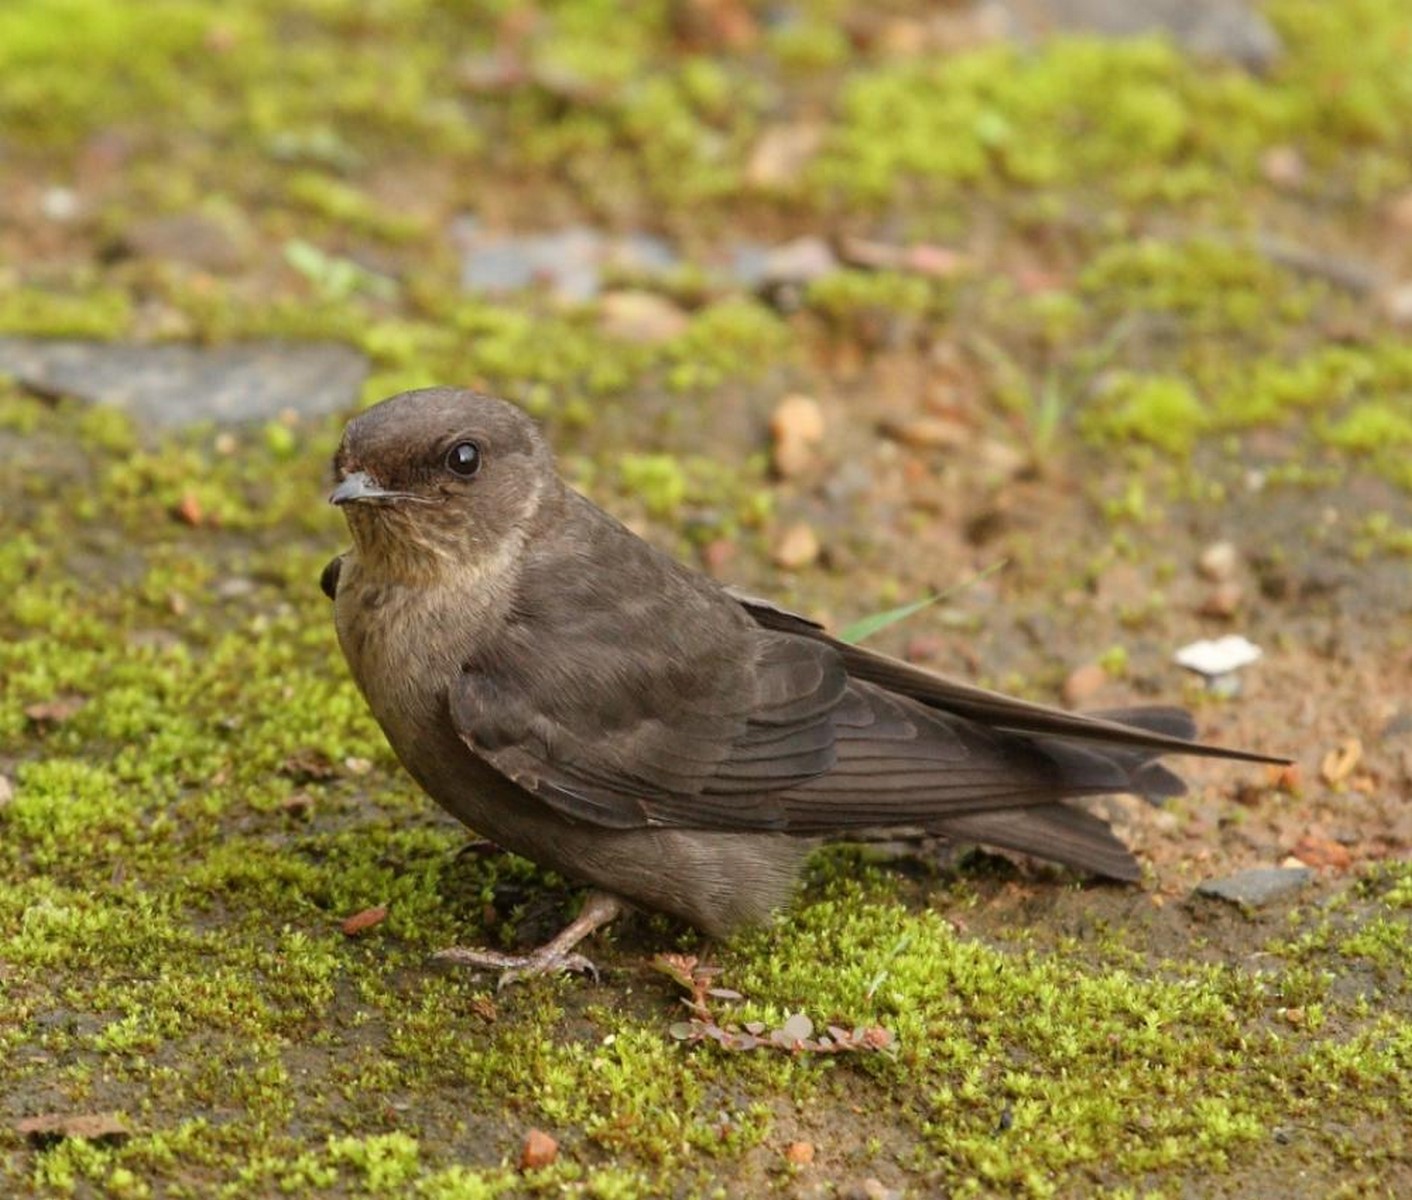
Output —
<point x="463" y="459"/>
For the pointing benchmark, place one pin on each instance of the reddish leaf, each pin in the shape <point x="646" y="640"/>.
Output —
<point x="358" y="922"/>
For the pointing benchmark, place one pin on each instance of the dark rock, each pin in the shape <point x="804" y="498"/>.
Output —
<point x="169" y="386"/>
<point x="1256" y="887"/>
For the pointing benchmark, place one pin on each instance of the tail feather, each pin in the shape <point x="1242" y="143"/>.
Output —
<point x="1051" y="831"/>
<point x="1142" y="774"/>
<point x="1163" y="730"/>
<point x="1164" y="719"/>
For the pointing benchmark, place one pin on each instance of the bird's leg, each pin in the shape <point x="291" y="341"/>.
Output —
<point x="557" y="954"/>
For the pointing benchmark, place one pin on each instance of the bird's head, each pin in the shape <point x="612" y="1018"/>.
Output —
<point x="439" y="477"/>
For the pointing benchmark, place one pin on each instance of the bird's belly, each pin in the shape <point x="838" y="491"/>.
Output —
<point x="715" y="880"/>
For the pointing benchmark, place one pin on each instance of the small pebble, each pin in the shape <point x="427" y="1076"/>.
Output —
<point x="642" y="318"/>
<point x="1283" y="166"/>
<point x="801" y="1154"/>
<point x="869" y="1189"/>
<point x="1083" y="683"/>
<point x="1001" y="458"/>
<point x="797" y="427"/>
<point x="800" y="261"/>
<point x="797" y="547"/>
<point x="1397" y="304"/>
<point x="538" y="1150"/>
<point x="59" y="204"/>
<point x="782" y="153"/>
<point x="1218" y="561"/>
<point x="234" y="587"/>
<point x="1399" y="211"/>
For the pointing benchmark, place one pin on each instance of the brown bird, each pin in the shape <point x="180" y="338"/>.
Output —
<point x="588" y="702"/>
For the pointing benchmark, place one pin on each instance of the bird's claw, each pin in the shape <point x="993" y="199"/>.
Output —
<point x="514" y="967"/>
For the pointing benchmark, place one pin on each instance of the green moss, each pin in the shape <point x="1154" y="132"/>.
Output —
<point x="870" y="305"/>
<point x="658" y="479"/>
<point x="1074" y="114"/>
<point x="67" y="61"/>
<point x="1362" y="107"/>
<point x="347" y="207"/>
<point x="1372" y="426"/>
<point x="809" y="45"/>
<point x="1270" y="392"/>
<point x="1133" y="118"/>
<point x="732" y="338"/>
<point x="1216" y="287"/>
<point x="1162" y="411"/>
<point x="97" y="312"/>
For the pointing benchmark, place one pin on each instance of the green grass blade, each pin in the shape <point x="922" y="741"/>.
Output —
<point x="865" y="627"/>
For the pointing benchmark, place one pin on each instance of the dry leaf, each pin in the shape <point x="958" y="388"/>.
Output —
<point x="1339" y="762"/>
<point x="358" y="922"/>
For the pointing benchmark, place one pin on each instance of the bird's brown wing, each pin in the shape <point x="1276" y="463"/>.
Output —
<point x="790" y="744"/>
<point x="710" y="745"/>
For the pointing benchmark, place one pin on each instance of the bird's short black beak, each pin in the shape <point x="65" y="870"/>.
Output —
<point x="357" y="486"/>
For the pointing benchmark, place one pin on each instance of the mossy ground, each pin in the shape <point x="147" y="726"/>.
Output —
<point x="200" y="799"/>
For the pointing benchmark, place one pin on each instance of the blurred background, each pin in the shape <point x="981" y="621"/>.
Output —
<point x="1091" y="316"/>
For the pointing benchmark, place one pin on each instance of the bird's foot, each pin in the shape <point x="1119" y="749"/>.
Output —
<point x="514" y="967"/>
<point x="555" y="955"/>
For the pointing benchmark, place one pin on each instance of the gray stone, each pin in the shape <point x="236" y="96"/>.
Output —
<point x="1214" y="28"/>
<point x="758" y="267"/>
<point x="570" y="262"/>
<point x="169" y="386"/>
<point x="1256" y="887"/>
